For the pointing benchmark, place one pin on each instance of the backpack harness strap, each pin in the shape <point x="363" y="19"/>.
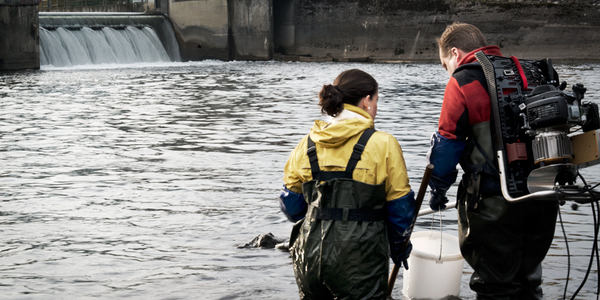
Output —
<point x="342" y="214"/>
<point x="354" y="158"/>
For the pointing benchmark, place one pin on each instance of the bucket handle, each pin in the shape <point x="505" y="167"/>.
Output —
<point x="439" y="259"/>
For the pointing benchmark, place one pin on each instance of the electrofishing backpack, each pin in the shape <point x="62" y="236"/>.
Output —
<point x="542" y="134"/>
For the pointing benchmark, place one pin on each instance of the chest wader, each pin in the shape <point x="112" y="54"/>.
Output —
<point x="504" y="242"/>
<point x="340" y="249"/>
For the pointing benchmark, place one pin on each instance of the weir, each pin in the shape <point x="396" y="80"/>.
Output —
<point x="69" y="39"/>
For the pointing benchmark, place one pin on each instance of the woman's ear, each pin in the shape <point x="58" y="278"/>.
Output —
<point x="364" y="102"/>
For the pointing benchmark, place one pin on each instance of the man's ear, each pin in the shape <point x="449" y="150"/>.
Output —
<point x="456" y="54"/>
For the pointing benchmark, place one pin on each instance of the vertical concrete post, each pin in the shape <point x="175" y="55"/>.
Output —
<point x="201" y="27"/>
<point x="19" y="42"/>
<point x="250" y="29"/>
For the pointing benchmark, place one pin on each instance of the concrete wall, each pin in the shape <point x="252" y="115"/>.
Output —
<point x="223" y="29"/>
<point x="19" y="40"/>
<point x="343" y="30"/>
<point x="251" y="29"/>
<point x="201" y="27"/>
<point x="406" y="30"/>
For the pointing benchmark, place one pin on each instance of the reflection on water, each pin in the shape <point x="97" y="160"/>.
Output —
<point x="140" y="181"/>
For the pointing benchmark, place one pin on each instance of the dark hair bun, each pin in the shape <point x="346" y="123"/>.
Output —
<point x="331" y="100"/>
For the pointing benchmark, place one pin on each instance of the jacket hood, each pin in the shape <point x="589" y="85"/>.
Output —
<point x="470" y="57"/>
<point x="334" y="134"/>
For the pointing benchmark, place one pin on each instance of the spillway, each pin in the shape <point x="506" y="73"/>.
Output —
<point x="70" y="39"/>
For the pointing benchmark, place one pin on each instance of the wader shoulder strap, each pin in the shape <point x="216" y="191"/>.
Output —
<point x="311" y="151"/>
<point x="358" y="149"/>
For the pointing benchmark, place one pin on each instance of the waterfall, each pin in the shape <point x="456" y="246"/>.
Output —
<point x="80" y="39"/>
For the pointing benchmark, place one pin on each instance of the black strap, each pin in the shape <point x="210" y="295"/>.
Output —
<point x="311" y="151"/>
<point x="492" y="170"/>
<point x="348" y="214"/>
<point x="489" y="72"/>
<point x="317" y="174"/>
<point x="358" y="149"/>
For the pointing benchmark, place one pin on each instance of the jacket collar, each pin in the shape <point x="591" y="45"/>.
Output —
<point x="470" y="57"/>
<point x="351" y="121"/>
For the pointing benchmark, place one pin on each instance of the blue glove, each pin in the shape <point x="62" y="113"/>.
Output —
<point x="439" y="187"/>
<point x="400" y="216"/>
<point x="399" y="256"/>
<point x="292" y="204"/>
<point x="444" y="154"/>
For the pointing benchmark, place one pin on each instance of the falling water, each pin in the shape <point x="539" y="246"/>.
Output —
<point x="70" y="40"/>
<point x="64" y="47"/>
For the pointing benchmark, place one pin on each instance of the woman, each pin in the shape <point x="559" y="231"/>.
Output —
<point x="346" y="185"/>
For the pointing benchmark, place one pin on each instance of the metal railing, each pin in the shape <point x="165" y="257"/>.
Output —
<point x="52" y="5"/>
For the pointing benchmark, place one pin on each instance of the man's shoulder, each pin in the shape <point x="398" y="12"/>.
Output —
<point x="469" y="68"/>
<point x="467" y="73"/>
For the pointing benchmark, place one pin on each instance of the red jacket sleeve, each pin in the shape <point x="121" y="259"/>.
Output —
<point x="466" y="102"/>
<point x="454" y="111"/>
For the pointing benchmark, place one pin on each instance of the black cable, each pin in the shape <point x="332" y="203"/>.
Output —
<point x="597" y="255"/>
<point x="591" y="189"/>
<point x="596" y="230"/>
<point x="595" y="243"/>
<point x="586" y="189"/>
<point x="562" y="226"/>
<point x="587" y="273"/>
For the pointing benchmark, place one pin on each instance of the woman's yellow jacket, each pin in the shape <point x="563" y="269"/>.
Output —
<point x="381" y="161"/>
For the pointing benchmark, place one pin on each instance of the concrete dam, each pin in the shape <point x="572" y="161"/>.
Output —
<point x="328" y="30"/>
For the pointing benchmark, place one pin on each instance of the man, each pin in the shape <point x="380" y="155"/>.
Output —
<point x="503" y="242"/>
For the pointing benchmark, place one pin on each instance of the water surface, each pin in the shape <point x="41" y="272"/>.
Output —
<point x="140" y="181"/>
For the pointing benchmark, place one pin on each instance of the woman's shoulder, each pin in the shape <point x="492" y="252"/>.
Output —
<point x="384" y="136"/>
<point x="385" y="140"/>
<point x="302" y="145"/>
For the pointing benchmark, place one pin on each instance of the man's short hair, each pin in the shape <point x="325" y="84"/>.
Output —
<point x="463" y="36"/>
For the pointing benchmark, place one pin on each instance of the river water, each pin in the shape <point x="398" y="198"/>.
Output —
<point x="140" y="181"/>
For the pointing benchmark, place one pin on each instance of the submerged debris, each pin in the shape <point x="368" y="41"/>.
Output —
<point x="266" y="241"/>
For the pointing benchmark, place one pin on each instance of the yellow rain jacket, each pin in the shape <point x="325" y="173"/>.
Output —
<point x="381" y="161"/>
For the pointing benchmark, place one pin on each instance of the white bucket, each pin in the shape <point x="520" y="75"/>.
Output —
<point x="431" y="274"/>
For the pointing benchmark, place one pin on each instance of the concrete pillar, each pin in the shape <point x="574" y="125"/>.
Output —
<point x="201" y="28"/>
<point x="250" y="29"/>
<point x="283" y="26"/>
<point x="19" y="36"/>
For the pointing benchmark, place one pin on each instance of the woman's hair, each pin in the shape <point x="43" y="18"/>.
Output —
<point x="465" y="37"/>
<point x="349" y="87"/>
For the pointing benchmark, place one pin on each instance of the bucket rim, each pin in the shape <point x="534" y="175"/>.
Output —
<point x="433" y="257"/>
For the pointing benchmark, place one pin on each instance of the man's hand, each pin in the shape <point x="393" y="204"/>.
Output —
<point x="437" y="201"/>
<point x="399" y="256"/>
<point x="439" y="187"/>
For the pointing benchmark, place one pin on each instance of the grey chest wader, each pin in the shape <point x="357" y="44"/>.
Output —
<point x="340" y="249"/>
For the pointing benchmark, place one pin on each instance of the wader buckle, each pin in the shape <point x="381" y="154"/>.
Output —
<point x="312" y="153"/>
<point x="357" y="152"/>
